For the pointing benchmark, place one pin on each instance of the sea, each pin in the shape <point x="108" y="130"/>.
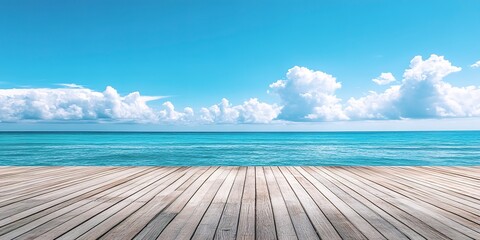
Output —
<point x="438" y="148"/>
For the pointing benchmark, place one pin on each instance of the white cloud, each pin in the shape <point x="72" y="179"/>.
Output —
<point x="308" y="95"/>
<point x="74" y="104"/>
<point x="70" y="85"/>
<point x="305" y="96"/>
<point x="422" y="94"/>
<point x="433" y="69"/>
<point x="384" y="79"/>
<point x="168" y="114"/>
<point x="374" y="105"/>
<point x="251" y="111"/>
<point x="476" y="65"/>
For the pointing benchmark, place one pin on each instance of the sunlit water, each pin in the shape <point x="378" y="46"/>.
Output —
<point x="460" y="148"/>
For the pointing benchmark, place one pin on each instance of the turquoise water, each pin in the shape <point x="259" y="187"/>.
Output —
<point x="339" y="148"/>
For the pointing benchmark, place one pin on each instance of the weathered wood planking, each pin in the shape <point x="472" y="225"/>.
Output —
<point x="240" y="202"/>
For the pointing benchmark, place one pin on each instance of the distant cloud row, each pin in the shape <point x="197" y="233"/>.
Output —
<point x="305" y="95"/>
<point x="476" y="65"/>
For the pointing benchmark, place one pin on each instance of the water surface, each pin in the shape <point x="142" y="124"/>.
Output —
<point x="458" y="148"/>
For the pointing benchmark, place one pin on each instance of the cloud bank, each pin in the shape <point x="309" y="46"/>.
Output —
<point x="423" y="93"/>
<point x="73" y="104"/>
<point x="476" y="65"/>
<point x="304" y="95"/>
<point x="251" y="111"/>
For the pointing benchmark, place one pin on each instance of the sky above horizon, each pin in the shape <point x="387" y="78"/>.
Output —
<point x="196" y="63"/>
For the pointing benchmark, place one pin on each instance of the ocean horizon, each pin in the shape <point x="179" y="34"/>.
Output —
<point x="239" y="120"/>
<point x="359" y="148"/>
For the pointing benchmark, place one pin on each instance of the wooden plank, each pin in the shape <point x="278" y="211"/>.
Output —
<point x="33" y="180"/>
<point x="227" y="227"/>
<point x="207" y="227"/>
<point x="410" y="207"/>
<point x="376" y="221"/>
<point x="140" y="194"/>
<point x="184" y="224"/>
<point x="8" y="172"/>
<point x="239" y="202"/>
<point x="153" y="229"/>
<point x="320" y="222"/>
<point x="76" y="177"/>
<point x="465" y="195"/>
<point x="20" y="172"/>
<point x="31" y="222"/>
<point x="444" y="180"/>
<point x="69" y="193"/>
<point x="377" y="205"/>
<point x="246" y="223"/>
<point x="386" y="203"/>
<point x="264" y="221"/>
<point x="38" y="191"/>
<point x="32" y="175"/>
<point x="360" y="223"/>
<point x="283" y="223"/>
<point x="138" y="220"/>
<point x="465" y="172"/>
<point x="301" y="222"/>
<point x="343" y="226"/>
<point x="429" y="205"/>
<point x="81" y="219"/>
<point x="452" y="178"/>
<point x="449" y="201"/>
<point x="12" y="181"/>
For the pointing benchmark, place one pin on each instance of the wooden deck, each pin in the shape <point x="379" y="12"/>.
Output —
<point x="240" y="202"/>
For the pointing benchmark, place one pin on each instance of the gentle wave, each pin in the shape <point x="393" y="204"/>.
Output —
<point x="460" y="148"/>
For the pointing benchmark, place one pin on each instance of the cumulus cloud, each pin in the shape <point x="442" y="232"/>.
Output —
<point x="70" y="85"/>
<point x="308" y="95"/>
<point x="251" y="111"/>
<point x="476" y="65"/>
<point x="74" y="104"/>
<point x="169" y="114"/>
<point x="384" y="79"/>
<point x="305" y="95"/>
<point x="423" y="93"/>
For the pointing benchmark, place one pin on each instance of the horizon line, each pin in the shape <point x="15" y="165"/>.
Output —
<point x="133" y="131"/>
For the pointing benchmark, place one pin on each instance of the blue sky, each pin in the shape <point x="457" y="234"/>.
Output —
<point x="198" y="52"/>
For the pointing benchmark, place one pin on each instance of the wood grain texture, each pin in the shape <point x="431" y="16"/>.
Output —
<point x="266" y="202"/>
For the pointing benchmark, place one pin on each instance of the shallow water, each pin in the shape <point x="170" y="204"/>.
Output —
<point x="460" y="148"/>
